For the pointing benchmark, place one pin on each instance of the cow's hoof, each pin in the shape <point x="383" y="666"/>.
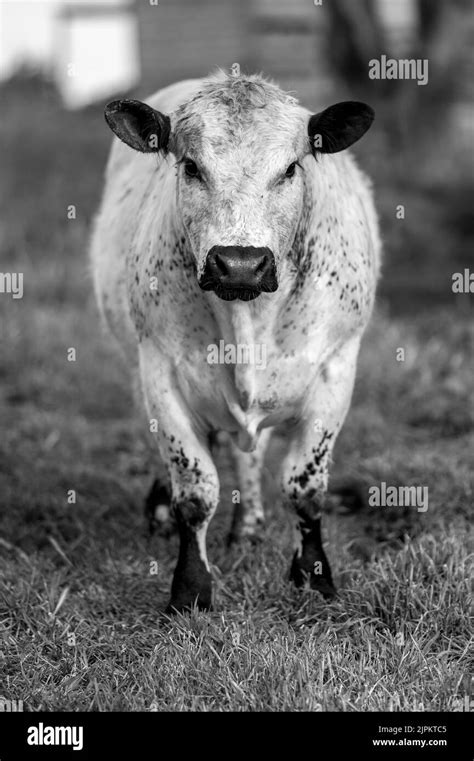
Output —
<point x="325" y="587"/>
<point x="158" y="511"/>
<point x="318" y="575"/>
<point x="184" y="602"/>
<point x="191" y="587"/>
<point x="176" y="606"/>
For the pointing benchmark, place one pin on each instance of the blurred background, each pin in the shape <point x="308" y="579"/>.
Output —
<point x="74" y="465"/>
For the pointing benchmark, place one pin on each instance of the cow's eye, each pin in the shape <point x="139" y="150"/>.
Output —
<point x="290" y="172"/>
<point x="190" y="168"/>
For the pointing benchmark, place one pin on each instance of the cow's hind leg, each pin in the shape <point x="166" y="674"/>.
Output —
<point x="158" y="508"/>
<point x="305" y="468"/>
<point x="249" y="517"/>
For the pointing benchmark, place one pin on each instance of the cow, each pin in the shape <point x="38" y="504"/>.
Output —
<point x="235" y="258"/>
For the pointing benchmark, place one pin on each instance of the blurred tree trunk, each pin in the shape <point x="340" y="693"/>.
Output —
<point x="357" y="35"/>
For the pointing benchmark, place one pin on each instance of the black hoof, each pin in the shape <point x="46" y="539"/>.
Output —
<point x="186" y="596"/>
<point x="181" y="606"/>
<point x="313" y="568"/>
<point x="192" y="582"/>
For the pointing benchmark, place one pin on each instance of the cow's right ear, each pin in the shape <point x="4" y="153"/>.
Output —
<point x="138" y="125"/>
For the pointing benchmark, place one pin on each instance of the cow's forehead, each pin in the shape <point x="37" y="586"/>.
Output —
<point x="247" y="113"/>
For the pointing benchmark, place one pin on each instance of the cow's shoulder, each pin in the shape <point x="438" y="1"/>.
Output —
<point x="340" y="201"/>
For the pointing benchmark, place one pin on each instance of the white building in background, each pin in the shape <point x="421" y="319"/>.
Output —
<point x="89" y="47"/>
<point x="25" y="34"/>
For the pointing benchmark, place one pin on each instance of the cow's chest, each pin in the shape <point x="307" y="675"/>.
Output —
<point x="240" y="388"/>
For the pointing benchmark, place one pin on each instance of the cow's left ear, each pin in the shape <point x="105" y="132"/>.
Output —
<point x="138" y="125"/>
<point x="339" y="126"/>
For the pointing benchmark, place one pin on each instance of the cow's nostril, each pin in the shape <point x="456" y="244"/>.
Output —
<point x="221" y="265"/>
<point x="262" y="265"/>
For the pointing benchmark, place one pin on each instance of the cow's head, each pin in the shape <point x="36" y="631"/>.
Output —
<point x="239" y="145"/>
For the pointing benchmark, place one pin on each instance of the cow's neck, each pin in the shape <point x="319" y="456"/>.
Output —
<point x="243" y="329"/>
<point x="237" y="328"/>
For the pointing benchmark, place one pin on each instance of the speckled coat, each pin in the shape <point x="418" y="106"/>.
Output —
<point x="151" y="237"/>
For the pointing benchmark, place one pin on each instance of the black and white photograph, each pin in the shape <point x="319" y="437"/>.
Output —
<point x="237" y="365"/>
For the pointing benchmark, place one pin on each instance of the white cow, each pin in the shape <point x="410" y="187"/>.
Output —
<point x="235" y="259"/>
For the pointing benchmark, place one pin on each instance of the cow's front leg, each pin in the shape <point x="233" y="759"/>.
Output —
<point x="193" y="478"/>
<point x="305" y="476"/>
<point x="305" y="469"/>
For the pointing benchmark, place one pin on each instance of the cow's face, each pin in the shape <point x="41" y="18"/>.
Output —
<point x="239" y="145"/>
<point x="240" y="191"/>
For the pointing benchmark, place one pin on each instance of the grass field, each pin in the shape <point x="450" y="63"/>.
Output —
<point x="82" y="617"/>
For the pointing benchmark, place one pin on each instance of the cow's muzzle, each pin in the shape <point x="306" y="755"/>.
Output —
<point x="239" y="272"/>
